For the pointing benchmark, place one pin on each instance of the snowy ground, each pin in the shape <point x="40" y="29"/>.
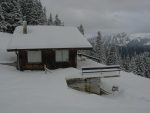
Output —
<point x="37" y="92"/>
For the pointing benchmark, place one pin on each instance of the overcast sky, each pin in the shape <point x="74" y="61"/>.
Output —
<point x="130" y="16"/>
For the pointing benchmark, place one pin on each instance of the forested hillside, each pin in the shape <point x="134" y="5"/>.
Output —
<point x="13" y="12"/>
<point x="133" y="55"/>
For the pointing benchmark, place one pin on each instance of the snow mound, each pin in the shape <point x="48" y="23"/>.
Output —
<point x="5" y="57"/>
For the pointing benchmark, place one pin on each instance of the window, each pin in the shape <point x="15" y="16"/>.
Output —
<point x="34" y="57"/>
<point x="62" y="55"/>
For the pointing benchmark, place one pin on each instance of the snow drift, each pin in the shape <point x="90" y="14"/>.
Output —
<point x="6" y="57"/>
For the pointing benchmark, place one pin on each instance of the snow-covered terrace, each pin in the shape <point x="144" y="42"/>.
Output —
<point x="39" y="92"/>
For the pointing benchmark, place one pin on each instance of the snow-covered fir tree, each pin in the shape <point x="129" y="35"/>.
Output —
<point x="57" y="21"/>
<point x="113" y="57"/>
<point x="50" y="20"/>
<point x="81" y="29"/>
<point x="100" y="53"/>
<point x="40" y="12"/>
<point x="132" y="66"/>
<point x="34" y="12"/>
<point x="11" y="15"/>
<point x="27" y="7"/>
<point x="139" y="66"/>
<point x="98" y="46"/>
<point x="3" y="23"/>
<point x="125" y="63"/>
<point x="44" y="16"/>
<point x="142" y="65"/>
<point x="146" y="70"/>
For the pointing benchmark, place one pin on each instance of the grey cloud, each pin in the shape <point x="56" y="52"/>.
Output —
<point x="106" y="15"/>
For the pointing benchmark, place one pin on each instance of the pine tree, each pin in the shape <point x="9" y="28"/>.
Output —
<point x="139" y="66"/>
<point x="27" y="8"/>
<point x="50" y="20"/>
<point x="126" y="64"/>
<point x="148" y="66"/>
<point x="146" y="71"/>
<point x="41" y="12"/>
<point x="3" y="23"/>
<point x="99" y="49"/>
<point x="113" y="57"/>
<point x="143" y="65"/>
<point x="133" y="66"/>
<point x="44" y="16"/>
<point x="11" y="15"/>
<point x="98" y="46"/>
<point x="107" y="49"/>
<point x="81" y="29"/>
<point x="57" y="21"/>
<point x="34" y="12"/>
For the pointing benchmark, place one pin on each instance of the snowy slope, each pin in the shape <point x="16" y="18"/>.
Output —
<point x="37" y="92"/>
<point x="5" y="57"/>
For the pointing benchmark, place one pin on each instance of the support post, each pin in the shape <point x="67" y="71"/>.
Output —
<point x="18" y="60"/>
<point x="99" y="85"/>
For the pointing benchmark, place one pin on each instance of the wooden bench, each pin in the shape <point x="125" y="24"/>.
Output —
<point x="101" y="69"/>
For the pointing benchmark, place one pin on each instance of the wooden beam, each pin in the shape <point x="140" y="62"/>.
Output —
<point x="34" y="49"/>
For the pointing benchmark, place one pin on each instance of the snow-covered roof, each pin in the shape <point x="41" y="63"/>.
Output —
<point x="44" y="37"/>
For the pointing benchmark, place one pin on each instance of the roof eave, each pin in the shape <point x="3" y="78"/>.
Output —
<point x="82" y="48"/>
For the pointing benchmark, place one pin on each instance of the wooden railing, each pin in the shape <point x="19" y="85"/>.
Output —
<point x="88" y="56"/>
<point x="102" y="69"/>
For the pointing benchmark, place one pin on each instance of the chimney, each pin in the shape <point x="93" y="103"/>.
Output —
<point x="24" y="27"/>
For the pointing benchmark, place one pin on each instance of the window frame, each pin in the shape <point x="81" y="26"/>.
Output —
<point x="62" y="57"/>
<point x="34" y="62"/>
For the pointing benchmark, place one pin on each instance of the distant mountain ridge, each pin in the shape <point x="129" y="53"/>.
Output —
<point x="139" y="36"/>
<point x="139" y="39"/>
<point x="123" y="39"/>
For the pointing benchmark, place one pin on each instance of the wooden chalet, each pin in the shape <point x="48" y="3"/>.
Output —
<point x="50" y="46"/>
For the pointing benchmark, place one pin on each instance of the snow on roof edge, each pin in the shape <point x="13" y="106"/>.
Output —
<point x="52" y="37"/>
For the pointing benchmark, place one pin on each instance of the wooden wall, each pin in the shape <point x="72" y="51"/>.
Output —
<point x="48" y="59"/>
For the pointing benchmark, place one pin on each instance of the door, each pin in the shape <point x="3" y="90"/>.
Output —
<point x="49" y="58"/>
